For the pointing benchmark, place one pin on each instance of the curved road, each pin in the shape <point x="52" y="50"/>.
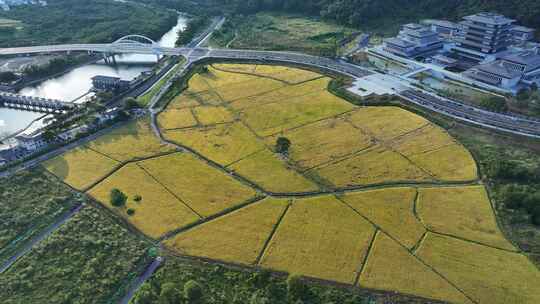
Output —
<point x="452" y="108"/>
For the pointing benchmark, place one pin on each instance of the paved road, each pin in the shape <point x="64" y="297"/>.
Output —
<point x="506" y="123"/>
<point x="39" y="238"/>
<point x="141" y="279"/>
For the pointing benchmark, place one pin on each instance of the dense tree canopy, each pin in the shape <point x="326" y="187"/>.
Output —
<point x="91" y="21"/>
<point x="373" y="12"/>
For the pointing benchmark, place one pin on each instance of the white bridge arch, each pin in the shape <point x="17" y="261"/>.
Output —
<point x="135" y="39"/>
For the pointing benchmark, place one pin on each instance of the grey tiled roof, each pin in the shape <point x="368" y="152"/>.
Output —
<point x="519" y="28"/>
<point x="489" y="18"/>
<point x="529" y="59"/>
<point x="399" y="42"/>
<point x="105" y="78"/>
<point x="498" y="69"/>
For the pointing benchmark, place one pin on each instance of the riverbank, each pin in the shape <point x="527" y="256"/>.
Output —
<point x="36" y="81"/>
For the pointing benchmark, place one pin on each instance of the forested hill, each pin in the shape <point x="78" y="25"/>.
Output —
<point x="63" y="21"/>
<point x="375" y="13"/>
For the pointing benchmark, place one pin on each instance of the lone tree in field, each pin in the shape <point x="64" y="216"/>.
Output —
<point x="282" y="145"/>
<point x="118" y="198"/>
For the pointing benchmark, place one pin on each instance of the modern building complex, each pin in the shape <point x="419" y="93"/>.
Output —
<point x="485" y="50"/>
<point x="414" y="40"/>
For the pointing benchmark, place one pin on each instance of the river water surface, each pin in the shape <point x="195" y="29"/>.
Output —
<point x="78" y="81"/>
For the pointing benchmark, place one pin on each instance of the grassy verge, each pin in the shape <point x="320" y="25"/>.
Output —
<point x="91" y="259"/>
<point x="145" y="99"/>
<point x="31" y="201"/>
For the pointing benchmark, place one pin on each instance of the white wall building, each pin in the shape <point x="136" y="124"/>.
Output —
<point x="414" y="40"/>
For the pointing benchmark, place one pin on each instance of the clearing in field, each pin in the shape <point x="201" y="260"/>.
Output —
<point x="81" y="167"/>
<point x="322" y="238"/>
<point x="390" y="266"/>
<point x="238" y="237"/>
<point x="272" y="173"/>
<point x="464" y="212"/>
<point x="134" y="140"/>
<point x="485" y="274"/>
<point x="158" y="211"/>
<point x="392" y="210"/>
<point x="204" y="189"/>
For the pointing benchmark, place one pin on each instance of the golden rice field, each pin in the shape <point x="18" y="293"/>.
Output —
<point x="210" y="115"/>
<point x="238" y="237"/>
<point x="81" y="167"/>
<point x="158" y="212"/>
<point x="442" y="210"/>
<point x="324" y="142"/>
<point x="376" y="165"/>
<point x="320" y="237"/>
<point x="392" y="210"/>
<point x="376" y="197"/>
<point x="391" y="267"/>
<point x="176" y="119"/>
<point x="485" y="274"/>
<point x="135" y="140"/>
<point x="203" y="188"/>
<point x="223" y="144"/>
<point x="273" y="174"/>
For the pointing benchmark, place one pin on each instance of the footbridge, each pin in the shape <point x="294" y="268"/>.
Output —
<point x="34" y="104"/>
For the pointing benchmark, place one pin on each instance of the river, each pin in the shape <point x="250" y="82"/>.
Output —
<point x="78" y="81"/>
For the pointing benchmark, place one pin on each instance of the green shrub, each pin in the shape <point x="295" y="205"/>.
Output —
<point x="282" y="145"/>
<point x="296" y="289"/>
<point x="118" y="198"/>
<point x="193" y="291"/>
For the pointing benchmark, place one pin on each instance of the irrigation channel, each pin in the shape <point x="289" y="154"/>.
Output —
<point x="77" y="82"/>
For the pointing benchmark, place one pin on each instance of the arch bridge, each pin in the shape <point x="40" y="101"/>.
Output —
<point x="130" y="44"/>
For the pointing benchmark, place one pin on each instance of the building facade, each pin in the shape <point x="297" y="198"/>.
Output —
<point x="521" y="34"/>
<point x="445" y="29"/>
<point x="107" y="83"/>
<point x="483" y="36"/>
<point x="510" y="71"/>
<point x="414" y="40"/>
